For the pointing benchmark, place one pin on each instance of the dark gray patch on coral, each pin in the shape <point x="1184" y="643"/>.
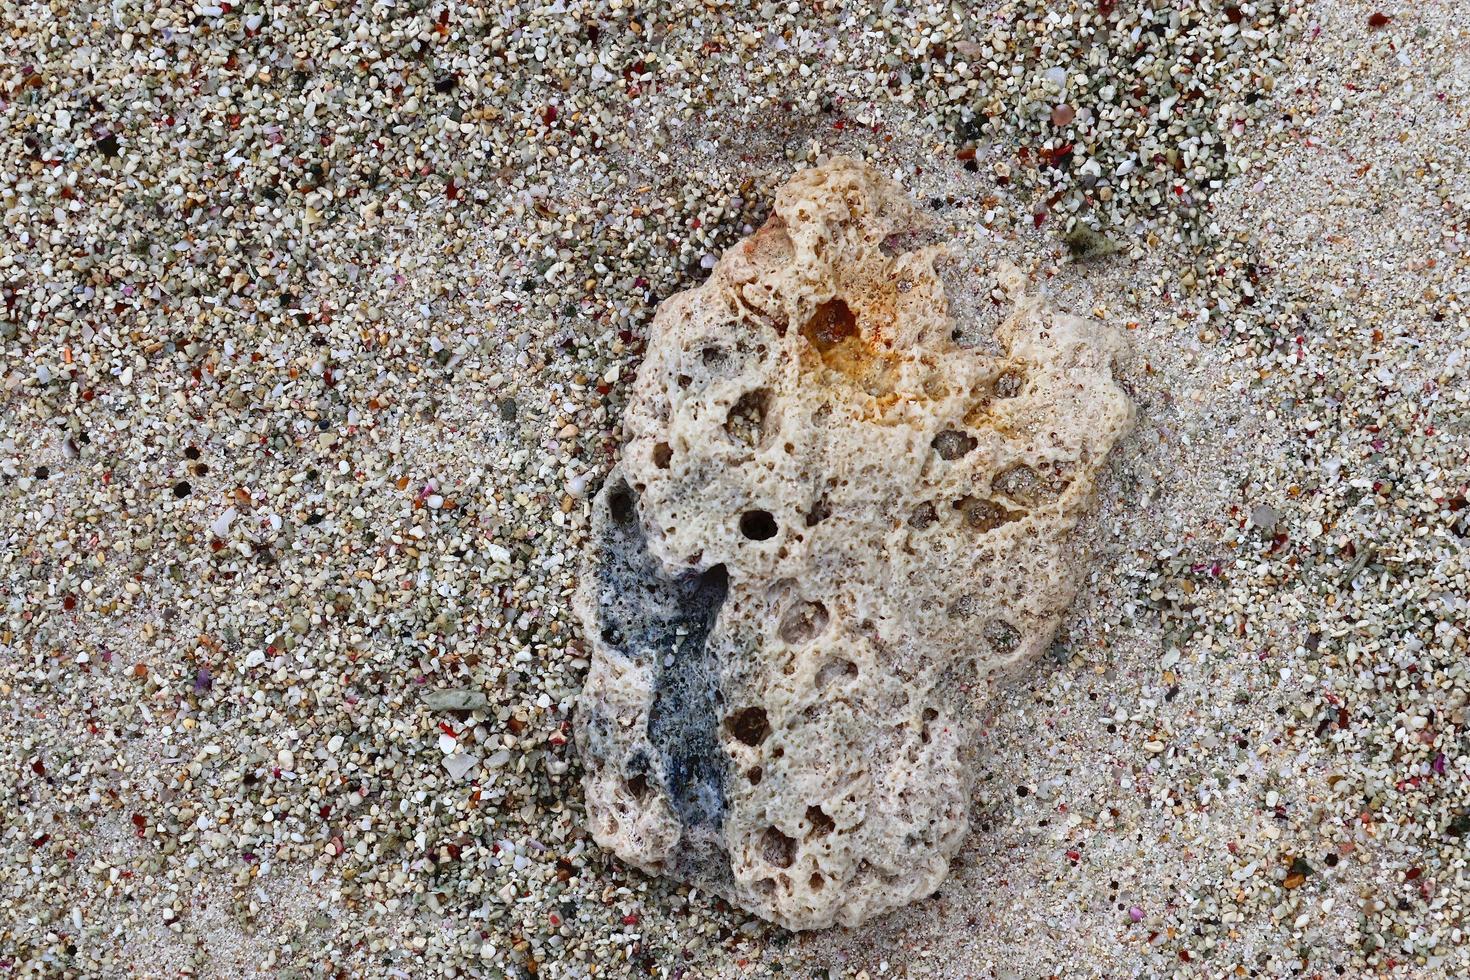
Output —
<point x="650" y="616"/>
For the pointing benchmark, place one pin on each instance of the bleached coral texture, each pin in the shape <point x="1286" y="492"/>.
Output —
<point x="837" y="523"/>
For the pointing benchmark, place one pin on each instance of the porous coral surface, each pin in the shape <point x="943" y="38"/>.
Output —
<point x="840" y="517"/>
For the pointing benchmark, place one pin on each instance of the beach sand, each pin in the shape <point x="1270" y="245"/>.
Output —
<point x="315" y="327"/>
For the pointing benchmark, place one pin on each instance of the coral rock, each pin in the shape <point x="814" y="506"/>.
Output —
<point x="836" y="524"/>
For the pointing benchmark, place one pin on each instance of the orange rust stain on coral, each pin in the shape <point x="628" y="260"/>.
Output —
<point x="979" y="415"/>
<point x="831" y="324"/>
<point x="858" y="356"/>
<point x="770" y="245"/>
<point x="768" y="249"/>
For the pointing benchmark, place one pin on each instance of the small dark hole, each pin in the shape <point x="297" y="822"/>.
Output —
<point x="952" y="444"/>
<point x="182" y="488"/>
<point x="822" y="825"/>
<point x="821" y="510"/>
<point x="662" y="454"/>
<point x="758" y="525"/>
<point x="749" y="725"/>
<point x="638" y="786"/>
<point x="923" y="516"/>
<point x="620" y="506"/>
<point x="191" y="453"/>
<point x="754" y="775"/>
<point x="777" y="848"/>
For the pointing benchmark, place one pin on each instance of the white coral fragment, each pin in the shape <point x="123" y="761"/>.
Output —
<point x="833" y="528"/>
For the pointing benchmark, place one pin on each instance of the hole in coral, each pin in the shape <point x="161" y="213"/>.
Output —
<point x="638" y="786"/>
<point x="754" y="775"/>
<point x="611" y="636"/>
<point x="816" y="882"/>
<point x="1028" y="487"/>
<point x="777" y="848"/>
<point x="983" y="515"/>
<point x="714" y="579"/>
<point x="836" y="670"/>
<point x="778" y="752"/>
<point x="765" y="886"/>
<point x="749" y="725"/>
<point x="928" y="716"/>
<point x="758" y="525"/>
<point x="803" y="621"/>
<point x="952" y="444"/>
<point x="831" y="323"/>
<point x="820" y="511"/>
<point x="1002" y="636"/>
<point x="713" y="356"/>
<point x="1018" y="482"/>
<point x="685" y="381"/>
<point x="962" y="608"/>
<point x="662" y="454"/>
<point x="620" y="505"/>
<point x="821" y="824"/>
<point x="923" y="516"/>
<point x="746" y="420"/>
<point x="1010" y="383"/>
